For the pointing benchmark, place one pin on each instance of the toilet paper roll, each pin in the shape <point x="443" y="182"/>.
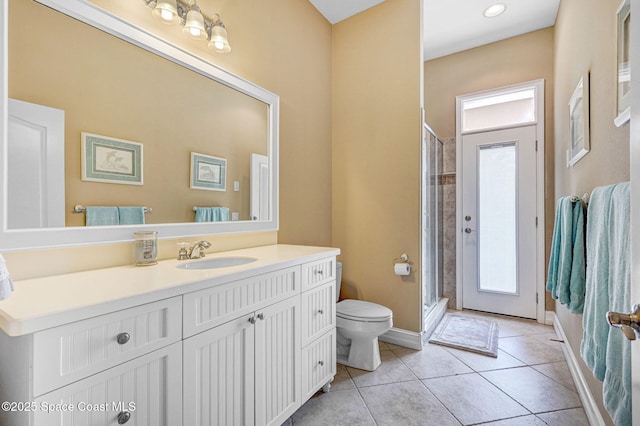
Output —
<point x="402" y="268"/>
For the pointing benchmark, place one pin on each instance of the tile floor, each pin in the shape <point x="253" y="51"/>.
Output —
<point x="528" y="384"/>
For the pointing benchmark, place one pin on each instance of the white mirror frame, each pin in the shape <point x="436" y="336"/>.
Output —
<point x="31" y="239"/>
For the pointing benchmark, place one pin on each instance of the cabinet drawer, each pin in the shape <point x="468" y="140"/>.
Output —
<point x="148" y="388"/>
<point x="318" y="364"/>
<point x="318" y="272"/>
<point x="216" y="305"/>
<point x="318" y="311"/>
<point x="71" y="352"/>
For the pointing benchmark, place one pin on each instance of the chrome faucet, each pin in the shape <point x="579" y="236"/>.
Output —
<point x="196" y="251"/>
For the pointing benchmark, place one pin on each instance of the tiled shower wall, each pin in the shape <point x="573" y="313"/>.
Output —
<point x="449" y="220"/>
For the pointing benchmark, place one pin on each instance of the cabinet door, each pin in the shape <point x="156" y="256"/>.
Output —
<point x="145" y="391"/>
<point x="278" y="390"/>
<point x="218" y="375"/>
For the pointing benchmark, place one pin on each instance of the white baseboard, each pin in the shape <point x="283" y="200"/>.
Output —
<point x="411" y="339"/>
<point x="400" y="337"/>
<point x="588" y="402"/>
<point x="549" y="317"/>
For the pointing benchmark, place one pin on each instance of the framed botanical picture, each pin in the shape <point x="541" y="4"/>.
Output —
<point x="208" y="172"/>
<point x="623" y="76"/>
<point x="110" y="160"/>
<point x="579" y="122"/>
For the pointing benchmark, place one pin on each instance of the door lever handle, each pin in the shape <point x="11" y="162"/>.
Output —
<point x="628" y="323"/>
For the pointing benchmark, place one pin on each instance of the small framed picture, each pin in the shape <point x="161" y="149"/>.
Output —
<point x="110" y="160"/>
<point x="579" y="122"/>
<point x="208" y="172"/>
<point x="623" y="75"/>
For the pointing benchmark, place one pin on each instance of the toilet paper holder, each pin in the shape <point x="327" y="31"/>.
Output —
<point x="404" y="258"/>
<point x="402" y="265"/>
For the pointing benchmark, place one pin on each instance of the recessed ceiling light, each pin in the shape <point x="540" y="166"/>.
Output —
<point x="494" y="10"/>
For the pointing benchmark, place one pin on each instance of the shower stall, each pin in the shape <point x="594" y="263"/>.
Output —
<point x="433" y="306"/>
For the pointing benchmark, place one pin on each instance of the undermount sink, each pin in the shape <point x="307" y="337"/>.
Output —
<point x="218" y="262"/>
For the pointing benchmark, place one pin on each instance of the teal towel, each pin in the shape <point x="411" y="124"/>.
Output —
<point x="101" y="216"/>
<point x="566" y="274"/>
<point x="212" y="214"/>
<point x="617" y="379"/>
<point x="577" y="280"/>
<point x="131" y="215"/>
<point x="596" y="304"/>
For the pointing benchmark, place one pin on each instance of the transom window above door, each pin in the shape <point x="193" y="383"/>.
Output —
<point x="503" y="110"/>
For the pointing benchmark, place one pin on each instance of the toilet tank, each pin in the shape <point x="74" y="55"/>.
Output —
<point x="338" y="279"/>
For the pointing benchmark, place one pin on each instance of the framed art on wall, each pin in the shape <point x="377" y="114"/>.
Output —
<point x="623" y="75"/>
<point x="579" y="122"/>
<point x="208" y="172"/>
<point x="110" y="160"/>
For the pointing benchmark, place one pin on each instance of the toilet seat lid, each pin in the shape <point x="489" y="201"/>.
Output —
<point x="362" y="311"/>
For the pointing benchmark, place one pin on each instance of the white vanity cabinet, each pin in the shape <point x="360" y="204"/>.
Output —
<point x="146" y="391"/>
<point x="245" y="347"/>
<point x="318" y="325"/>
<point x="247" y="370"/>
<point x="120" y="368"/>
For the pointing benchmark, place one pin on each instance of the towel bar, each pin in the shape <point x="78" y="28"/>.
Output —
<point x="585" y="198"/>
<point x="78" y="208"/>
<point x="195" y="208"/>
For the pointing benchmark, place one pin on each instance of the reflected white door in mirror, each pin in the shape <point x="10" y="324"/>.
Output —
<point x="35" y="137"/>
<point x="90" y="109"/>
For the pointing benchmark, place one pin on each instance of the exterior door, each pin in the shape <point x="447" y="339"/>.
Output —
<point x="499" y="221"/>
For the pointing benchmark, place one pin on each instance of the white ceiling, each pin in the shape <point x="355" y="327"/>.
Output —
<point x="452" y="26"/>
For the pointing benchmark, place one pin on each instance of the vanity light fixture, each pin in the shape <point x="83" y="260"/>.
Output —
<point x="494" y="10"/>
<point x="194" y="22"/>
<point x="219" y="41"/>
<point x="166" y="11"/>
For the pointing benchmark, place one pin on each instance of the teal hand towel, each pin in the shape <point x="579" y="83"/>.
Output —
<point x="577" y="279"/>
<point x="566" y="273"/>
<point x="554" y="257"/>
<point x="212" y="214"/>
<point x="131" y="215"/>
<point x="616" y="386"/>
<point x="101" y="216"/>
<point x="596" y="303"/>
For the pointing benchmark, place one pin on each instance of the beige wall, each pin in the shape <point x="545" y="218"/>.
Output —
<point x="515" y="60"/>
<point x="377" y="83"/>
<point x="285" y="47"/>
<point x="585" y="39"/>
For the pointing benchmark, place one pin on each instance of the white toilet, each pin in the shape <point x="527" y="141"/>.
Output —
<point x="359" y="324"/>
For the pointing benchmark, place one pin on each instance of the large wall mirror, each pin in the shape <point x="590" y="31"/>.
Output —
<point x="125" y="119"/>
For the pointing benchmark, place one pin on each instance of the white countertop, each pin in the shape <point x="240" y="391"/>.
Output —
<point x="41" y="303"/>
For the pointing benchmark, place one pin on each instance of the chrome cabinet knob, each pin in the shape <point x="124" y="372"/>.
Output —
<point x="321" y="363"/>
<point x="468" y="230"/>
<point x="260" y="316"/>
<point x="629" y="324"/>
<point x="320" y="311"/>
<point x="123" y="417"/>
<point x="252" y="320"/>
<point x="123" y="338"/>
